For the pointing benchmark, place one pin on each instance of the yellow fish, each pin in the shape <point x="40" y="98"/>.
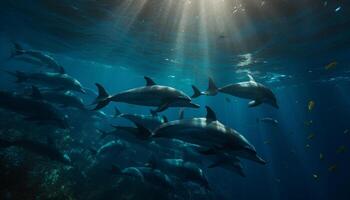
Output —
<point x="341" y="149"/>
<point x="321" y="156"/>
<point x="331" y="65"/>
<point x="311" y="105"/>
<point x="332" y="168"/>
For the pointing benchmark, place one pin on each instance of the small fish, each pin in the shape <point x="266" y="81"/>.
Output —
<point x="311" y="136"/>
<point x="346" y="131"/>
<point x="332" y="168"/>
<point x="315" y="176"/>
<point x="307" y="146"/>
<point x="331" y="65"/>
<point x="321" y="156"/>
<point x="341" y="149"/>
<point x="311" y="105"/>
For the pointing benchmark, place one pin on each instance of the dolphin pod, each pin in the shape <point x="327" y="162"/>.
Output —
<point x="152" y="94"/>
<point x="256" y="92"/>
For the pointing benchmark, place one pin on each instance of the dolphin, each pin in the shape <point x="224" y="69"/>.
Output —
<point x="56" y="81"/>
<point x="33" y="110"/>
<point x="148" y="175"/>
<point x="184" y="170"/>
<point x="149" y="121"/>
<point x="44" y="59"/>
<point x="208" y="133"/>
<point x="66" y="99"/>
<point x="252" y="90"/>
<point x="44" y="149"/>
<point x="152" y="94"/>
<point x="211" y="91"/>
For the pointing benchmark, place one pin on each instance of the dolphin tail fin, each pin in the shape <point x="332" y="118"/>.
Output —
<point x="196" y="92"/>
<point x="102" y="99"/>
<point x="117" y="112"/>
<point x="212" y="86"/>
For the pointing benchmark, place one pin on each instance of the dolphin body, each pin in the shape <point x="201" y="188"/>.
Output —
<point x="48" y="149"/>
<point x="147" y="175"/>
<point x="208" y="133"/>
<point x="33" y="110"/>
<point x="152" y="94"/>
<point x="112" y="146"/>
<point x="184" y="170"/>
<point x="66" y="99"/>
<point x="252" y="90"/>
<point x="151" y="122"/>
<point x="44" y="59"/>
<point x="53" y="80"/>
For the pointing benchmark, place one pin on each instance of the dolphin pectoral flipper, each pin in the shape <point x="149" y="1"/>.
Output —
<point x="254" y="103"/>
<point x="162" y="107"/>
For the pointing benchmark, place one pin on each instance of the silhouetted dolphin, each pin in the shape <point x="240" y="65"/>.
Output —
<point x="34" y="110"/>
<point x="257" y="92"/>
<point x="206" y="132"/>
<point x="184" y="170"/>
<point x="65" y="99"/>
<point x="56" y="81"/>
<point x="45" y="59"/>
<point x="149" y="121"/>
<point x="152" y="94"/>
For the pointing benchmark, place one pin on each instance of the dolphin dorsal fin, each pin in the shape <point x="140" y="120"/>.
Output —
<point x="212" y="85"/>
<point x="251" y="78"/>
<point x="211" y="116"/>
<point x="36" y="94"/>
<point x="149" y="81"/>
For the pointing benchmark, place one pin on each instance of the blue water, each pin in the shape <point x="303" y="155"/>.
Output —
<point x="284" y="45"/>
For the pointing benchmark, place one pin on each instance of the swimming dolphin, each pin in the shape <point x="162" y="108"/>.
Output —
<point x="57" y="81"/>
<point x="33" y="110"/>
<point x="44" y="149"/>
<point x="152" y="94"/>
<point x="184" y="170"/>
<point x="45" y="59"/>
<point x="147" y="175"/>
<point x="149" y="121"/>
<point x="65" y="99"/>
<point x="208" y="133"/>
<point x="211" y="91"/>
<point x="257" y="92"/>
